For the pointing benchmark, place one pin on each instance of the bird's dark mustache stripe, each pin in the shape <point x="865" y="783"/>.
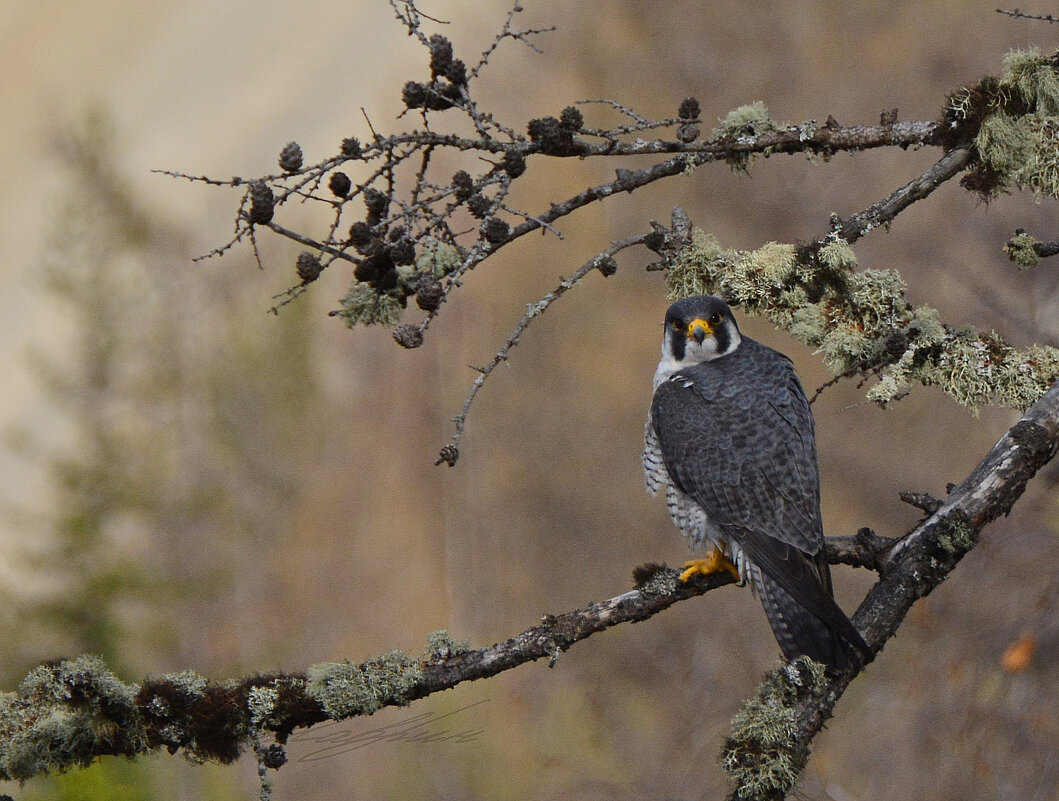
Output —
<point x="680" y="343"/>
<point x="723" y="335"/>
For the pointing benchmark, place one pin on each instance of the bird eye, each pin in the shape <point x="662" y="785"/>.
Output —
<point x="715" y="318"/>
<point x="678" y="325"/>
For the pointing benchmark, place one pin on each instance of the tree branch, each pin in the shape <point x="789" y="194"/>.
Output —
<point x="1018" y="14"/>
<point x="68" y="713"/>
<point x="1046" y="249"/>
<point x="603" y="262"/>
<point x="884" y="212"/>
<point x="412" y="212"/>
<point x="914" y="566"/>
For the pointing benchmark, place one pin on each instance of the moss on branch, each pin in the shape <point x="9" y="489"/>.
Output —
<point x="861" y="321"/>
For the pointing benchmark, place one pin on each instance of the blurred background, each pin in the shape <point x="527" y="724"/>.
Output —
<point x="188" y="481"/>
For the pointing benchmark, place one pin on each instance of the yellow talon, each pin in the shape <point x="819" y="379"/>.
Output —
<point x="714" y="562"/>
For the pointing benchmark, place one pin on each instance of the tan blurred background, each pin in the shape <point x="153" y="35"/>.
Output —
<point x="190" y="482"/>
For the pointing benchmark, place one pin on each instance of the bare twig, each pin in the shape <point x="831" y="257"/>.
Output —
<point x="1018" y="14"/>
<point x="855" y="370"/>
<point x="312" y="243"/>
<point x="603" y="261"/>
<point x="506" y="32"/>
<point x="922" y="500"/>
<point x="884" y="212"/>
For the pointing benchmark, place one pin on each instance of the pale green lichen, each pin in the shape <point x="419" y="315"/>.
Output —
<point x="745" y="120"/>
<point x="1004" y="144"/>
<point x="875" y="298"/>
<point x="691" y="162"/>
<point x="71" y="679"/>
<point x="955" y="538"/>
<point x="1041" y="171"/>
<point x="364" y="304"/>
<point x="764" y="720"/>
<point x="438" y="258"/>
<point x="188" y="681"/>
<point x="697" y="269"/>
<point x="66" y="714"/>
<point x="844" y="346"/>
<point x="1021" y="151"/>
<point x="751" y="277"/>
<point x="894" y="381"/>
<point x="1033" y="78"/>
<point x="662" y="582"/>
<point x="837" y="255"/>
<point x="440" y="645"/>
<point x="345" y="689"/>
<point x="749" y="120"/>
<point x="980" y="369"/>
<point x="861" y="320"/>
<point x="759" y="753"/>
<point x="261" y="704"/>
<point x="1019" y="142"/>
<point x="1020" y="249"/>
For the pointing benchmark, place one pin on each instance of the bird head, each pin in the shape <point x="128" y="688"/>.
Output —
<point x="699" y="329"/>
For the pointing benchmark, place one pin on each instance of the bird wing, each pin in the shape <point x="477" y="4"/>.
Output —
<point x="737" y="437"/>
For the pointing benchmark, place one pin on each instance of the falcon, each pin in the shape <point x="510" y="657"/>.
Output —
<point x="730" y="439"/>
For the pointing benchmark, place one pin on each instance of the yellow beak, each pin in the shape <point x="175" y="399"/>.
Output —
<point x="699" y="330"/>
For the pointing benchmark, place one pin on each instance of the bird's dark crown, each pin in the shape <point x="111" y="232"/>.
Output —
<point x="702" y="307"/>
<point x="697" y="329"/>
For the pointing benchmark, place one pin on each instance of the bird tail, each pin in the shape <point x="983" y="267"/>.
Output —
<point x="801" y="632"/>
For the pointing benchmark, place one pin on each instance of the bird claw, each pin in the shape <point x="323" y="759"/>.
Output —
<point x="713" y="562"/>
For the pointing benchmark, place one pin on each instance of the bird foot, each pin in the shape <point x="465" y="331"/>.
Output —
<point x="714" y="562"/>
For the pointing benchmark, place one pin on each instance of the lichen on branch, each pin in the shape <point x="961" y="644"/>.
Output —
<point x="759" y="753"/>
<point x="387" y="206"/>
<point x="862" y="321"/>
<point x="68" y="713"/>
<point x="1014" y="124"/>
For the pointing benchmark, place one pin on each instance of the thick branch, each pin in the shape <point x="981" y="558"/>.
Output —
<point x="863" y="549"/>
<point x="792" y="139"/>
<point x="921" y="560"/>
<point x="1047" y="249"/>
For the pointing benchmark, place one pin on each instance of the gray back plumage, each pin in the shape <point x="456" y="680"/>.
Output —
<point x="736" y="435"/>
<point x="733" y="443"/>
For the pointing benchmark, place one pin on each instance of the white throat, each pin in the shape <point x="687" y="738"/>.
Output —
<point x="666" y="367"/>
<point x="694" y="353"/>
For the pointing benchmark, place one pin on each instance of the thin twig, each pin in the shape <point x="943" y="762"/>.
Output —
<point x="1018" y="14"/>
<point x="884" y="212"/>
<point x="507" y="33"/>
<point x="450" y="453"/>
<point x="309" y="242"/>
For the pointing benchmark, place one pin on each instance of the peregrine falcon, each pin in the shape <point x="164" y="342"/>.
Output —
<point x="731" y="440"/>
